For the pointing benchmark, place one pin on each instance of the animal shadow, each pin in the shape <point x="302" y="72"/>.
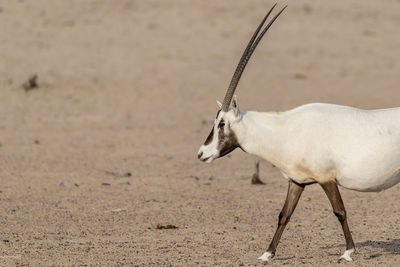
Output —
<point x="390" y="246"/>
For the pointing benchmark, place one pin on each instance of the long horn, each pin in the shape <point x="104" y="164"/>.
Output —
<point x="251" y="46"/>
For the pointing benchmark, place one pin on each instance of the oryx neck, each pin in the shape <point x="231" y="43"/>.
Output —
<point x="261" y="134"/>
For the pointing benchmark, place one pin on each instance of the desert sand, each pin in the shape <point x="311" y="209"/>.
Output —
<point x="104" y="151"/>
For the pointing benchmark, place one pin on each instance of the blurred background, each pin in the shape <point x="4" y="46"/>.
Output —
<point x="98" y="152"/>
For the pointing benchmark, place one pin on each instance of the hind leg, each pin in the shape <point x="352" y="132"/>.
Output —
<point x="332" y="191"/>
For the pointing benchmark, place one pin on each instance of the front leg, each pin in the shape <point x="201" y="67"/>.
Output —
<point x="332" y="191"/>
<point x="292" y="198"/>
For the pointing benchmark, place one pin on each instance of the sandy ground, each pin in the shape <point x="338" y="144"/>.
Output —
<point x="105" y="149"/>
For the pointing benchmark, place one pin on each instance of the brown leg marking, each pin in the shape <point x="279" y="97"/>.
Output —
<point x="292" y="198"/>
<point x="332" y="191"/>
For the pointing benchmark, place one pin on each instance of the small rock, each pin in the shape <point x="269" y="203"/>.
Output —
<point x="152" y="26"/>
<point x="168" y="226"/>
<point x="375" y="256"/>
<point x="31" y="83"/>
<point x="116" y="174"/>
<point x="68" y="185"/>
<point x="118" y="210"/>
<point x="307" y="9"/>
<point x="368" y="33"/>
<point x="194" y="177"/>
<point x="300" y="76"/>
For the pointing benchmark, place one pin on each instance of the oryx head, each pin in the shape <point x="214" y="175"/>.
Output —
<point x="222" y="139"/>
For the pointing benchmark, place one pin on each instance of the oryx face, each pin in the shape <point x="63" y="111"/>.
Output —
<point x="222" y="139"/>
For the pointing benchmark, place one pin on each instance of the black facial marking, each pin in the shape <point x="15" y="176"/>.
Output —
<point x="221" y="124"/>
<point x="210" y="137"/>
<point x="226" y="143"/>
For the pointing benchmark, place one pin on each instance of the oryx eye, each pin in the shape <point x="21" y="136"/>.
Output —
<point x="221" y="124"/>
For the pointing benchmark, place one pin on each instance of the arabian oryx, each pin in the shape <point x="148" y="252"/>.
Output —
<point x="315" y="143"/>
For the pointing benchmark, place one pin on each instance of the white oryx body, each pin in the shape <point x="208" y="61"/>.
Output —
<point x="316" y="143"/>
<point x="359" y="149"/>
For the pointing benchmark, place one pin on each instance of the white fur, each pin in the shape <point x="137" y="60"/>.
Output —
<point x="346" y="255"/>
<point x="266" y="256"/>
<point x="360" y="149"/>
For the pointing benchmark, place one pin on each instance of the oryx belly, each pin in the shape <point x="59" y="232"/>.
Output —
<point x="373" y="167"/>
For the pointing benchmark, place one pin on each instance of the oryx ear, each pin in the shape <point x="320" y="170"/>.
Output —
<point x="235" y="106"/>
<point x="219" y="104"/>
